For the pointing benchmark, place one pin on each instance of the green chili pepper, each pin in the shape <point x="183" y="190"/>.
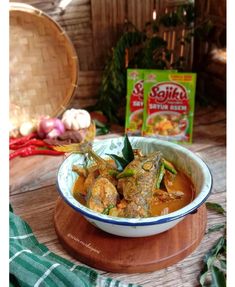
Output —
<point x="107" y="209"/>
<point x="169" y="166"/>
<point x="126" y="173"/>
<point x="160" y="175"/>
<point x="113" y="172"/>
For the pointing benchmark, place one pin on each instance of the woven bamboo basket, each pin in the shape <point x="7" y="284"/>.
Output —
<point x="43" y="65"/>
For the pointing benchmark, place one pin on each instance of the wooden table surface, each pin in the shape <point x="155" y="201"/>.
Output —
<point x="33" y="195"/>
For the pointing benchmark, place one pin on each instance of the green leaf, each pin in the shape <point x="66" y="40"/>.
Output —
<point x="218" y="277"/>
<point x="215" y="206"/>
<point x="217" y="248"/>
<point x="128" y="155"/>
<point x="102" y="131"/>
<point x="216" y="227"/>
<point x="127" y="150"/>
<point x="10" y="208"/>
<point x="223" y="264"/>
<point x="203" y="276"/>
<point x="120" y="162"/>
<point x="210" y="258"/>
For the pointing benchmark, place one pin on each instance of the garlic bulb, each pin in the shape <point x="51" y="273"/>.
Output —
<point x="26" y="128"/>
<point x="75" y="119"/>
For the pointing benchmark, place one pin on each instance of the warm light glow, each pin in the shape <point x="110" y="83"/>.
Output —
<point x="219" y="55"/>
<point x="154" y="15"/>
<point x="64" y="3"/>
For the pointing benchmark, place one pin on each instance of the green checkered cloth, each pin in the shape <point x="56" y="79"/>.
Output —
<point x="33" y="264"/>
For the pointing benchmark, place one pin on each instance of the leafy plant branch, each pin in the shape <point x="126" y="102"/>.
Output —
<point x="214" y="261"/>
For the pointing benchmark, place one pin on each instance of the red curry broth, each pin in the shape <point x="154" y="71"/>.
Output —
<point x="180" y="183"/>
<point x="175" y="183"/>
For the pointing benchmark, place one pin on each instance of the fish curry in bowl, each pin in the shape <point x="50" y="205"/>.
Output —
<point x="134" y="186"/>
<point x="146" y="186"/>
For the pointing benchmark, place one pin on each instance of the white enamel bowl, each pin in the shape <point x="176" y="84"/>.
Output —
<point x="182" y="158"/>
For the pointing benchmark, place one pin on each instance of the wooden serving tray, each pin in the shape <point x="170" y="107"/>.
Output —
<point x="104" y="251"/>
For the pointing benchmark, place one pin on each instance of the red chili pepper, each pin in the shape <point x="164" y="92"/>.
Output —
<point x="35" y="142"/>
<point x="21" y="151"/>
<point x="22" y="140"/>
<point x="43" y="152"/>
<point x="32" y="150"/>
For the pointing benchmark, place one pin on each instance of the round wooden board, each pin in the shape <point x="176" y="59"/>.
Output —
<point x="107" y="252"/>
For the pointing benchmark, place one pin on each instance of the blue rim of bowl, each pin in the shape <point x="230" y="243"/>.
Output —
<point x="137" y="221"/>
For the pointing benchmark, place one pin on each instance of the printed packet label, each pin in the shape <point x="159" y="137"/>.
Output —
<point x="135" y="100"/>
<point x="169" y="105"/>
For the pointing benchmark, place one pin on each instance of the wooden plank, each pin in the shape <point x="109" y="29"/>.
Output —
<point x="129" y="255"/>
<point x="139" y="14"/>
<point x="79" y="103"/>
<point x="42" y="5"/>
<point x="149" y="9"/>
<point x="97" y="28"/>
<point x="79" y="2"/>
<point x="178" y="39"/>
<point x="108" y="19"/>
<point x="87" y="92"/>
<point x="131" y="12"/>
<point x="74" y="21"/>
<point x="79" y="27"/>
<point x="34" y="174"/>
<point x="73" y="17"/>
<point x="89" y="78"/>
<point x="77" y="7"/>
<point x="114" y="22"/>
<point x="82" y="40"/>
<point x="121" y="15"/>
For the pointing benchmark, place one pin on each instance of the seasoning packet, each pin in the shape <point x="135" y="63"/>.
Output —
<point x="169" y="105"/>
<point x="135" y="100"/>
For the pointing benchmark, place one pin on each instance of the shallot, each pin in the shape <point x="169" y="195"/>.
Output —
<point x="50" y="128"/>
